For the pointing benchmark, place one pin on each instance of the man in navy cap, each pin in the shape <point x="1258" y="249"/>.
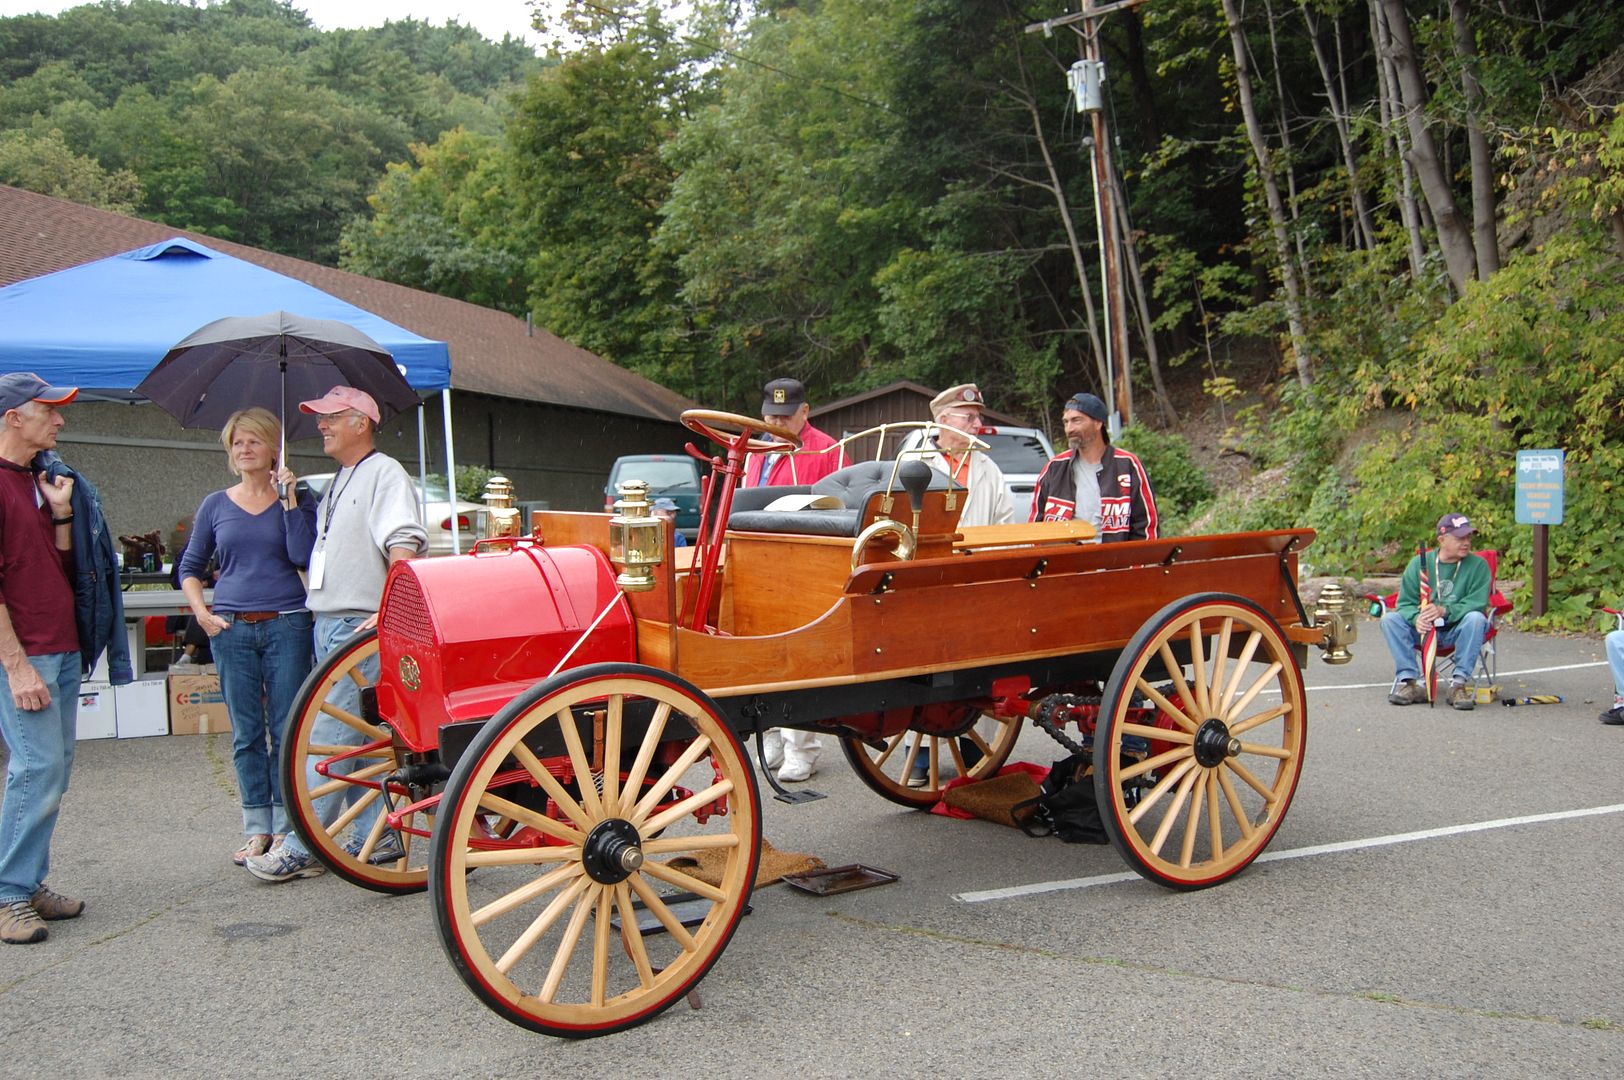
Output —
<point x="1459" y="582"/>
<point x="784" y="404"/>
<point x="39" y="654"/>
<point x="1094" y="481"/>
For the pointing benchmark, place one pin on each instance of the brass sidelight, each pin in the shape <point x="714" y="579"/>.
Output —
<point x="501" y="517"/>
<point x="636" y="538"/>
<point x="1334" y="613"/>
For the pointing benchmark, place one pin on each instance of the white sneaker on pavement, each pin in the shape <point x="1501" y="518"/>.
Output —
<point x="772" y="744"/>
<point x="796" y="769"/>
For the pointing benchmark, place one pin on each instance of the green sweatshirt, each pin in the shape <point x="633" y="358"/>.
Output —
<point x="1467" y="583"/>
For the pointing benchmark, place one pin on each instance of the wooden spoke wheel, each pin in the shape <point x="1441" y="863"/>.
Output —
<point x="724" y="429"/>
<point x="344" y="808"/>
<point x="977" y="747"/>
<point x="586" y="921"/>
<point x="1192" y="802"/>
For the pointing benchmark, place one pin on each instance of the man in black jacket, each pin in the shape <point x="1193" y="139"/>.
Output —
<point x="1094" y="481"/>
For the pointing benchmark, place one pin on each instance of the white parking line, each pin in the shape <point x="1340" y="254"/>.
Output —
<point x="1502" y="675"/>
<point x="1298" y="853"/>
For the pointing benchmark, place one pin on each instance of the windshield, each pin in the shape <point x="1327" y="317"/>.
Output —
<point x="658" y="475"/>
<point x="1016" y="453"/>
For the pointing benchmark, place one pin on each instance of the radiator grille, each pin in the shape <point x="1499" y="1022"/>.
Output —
<point x="405" y="613"/>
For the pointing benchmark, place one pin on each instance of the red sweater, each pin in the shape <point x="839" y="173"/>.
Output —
<point x="806" y="466"/>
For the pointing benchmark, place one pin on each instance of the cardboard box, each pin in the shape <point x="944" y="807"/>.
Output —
<point x="98" y="714"/>
<point x="143" y="708"/>
<point x="196" y="706"/>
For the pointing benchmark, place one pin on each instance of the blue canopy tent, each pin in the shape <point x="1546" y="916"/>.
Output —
<point x="104" y="325"/>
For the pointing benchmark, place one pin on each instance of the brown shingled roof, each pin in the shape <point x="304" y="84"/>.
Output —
<point x="491" y="352"/>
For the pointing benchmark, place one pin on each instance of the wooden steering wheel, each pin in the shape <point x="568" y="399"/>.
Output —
<point x="725" y="429"/>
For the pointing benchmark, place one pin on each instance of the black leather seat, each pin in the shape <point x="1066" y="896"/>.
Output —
<point x="854" y="486"/>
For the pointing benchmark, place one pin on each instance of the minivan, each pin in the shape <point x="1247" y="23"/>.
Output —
<point x="668" y="476"/>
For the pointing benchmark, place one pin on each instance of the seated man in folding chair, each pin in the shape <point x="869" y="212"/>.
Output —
<point x="1459" y="582"/>
<point x="1615" y="662"/>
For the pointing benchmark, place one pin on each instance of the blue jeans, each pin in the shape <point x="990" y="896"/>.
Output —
<point x="262" y="665"/>
<point x="332" y="631"/>
<point x="41" y="746"/>
<point x="1615" y="660"/>
<point x="1404" y="643"/>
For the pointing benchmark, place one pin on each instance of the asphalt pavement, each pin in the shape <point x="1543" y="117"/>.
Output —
<point x="1443" y="900"/>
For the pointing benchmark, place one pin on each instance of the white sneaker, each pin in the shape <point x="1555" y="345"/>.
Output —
<point x="796" y="769"/>
<point x="772" y="744"/>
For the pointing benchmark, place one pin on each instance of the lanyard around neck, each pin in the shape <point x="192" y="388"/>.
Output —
<point x="338" y="491"/>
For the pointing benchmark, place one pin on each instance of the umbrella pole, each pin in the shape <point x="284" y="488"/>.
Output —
<point x="282" y="418"/>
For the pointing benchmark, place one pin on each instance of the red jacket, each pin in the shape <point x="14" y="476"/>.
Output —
<point x="806" y="466"/>
<point x="1127" y="507"/>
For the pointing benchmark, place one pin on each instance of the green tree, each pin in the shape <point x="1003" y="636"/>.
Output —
<point x="585" y="141"/>
<point x="44" y="163"/>
<point x="441" y="224"/>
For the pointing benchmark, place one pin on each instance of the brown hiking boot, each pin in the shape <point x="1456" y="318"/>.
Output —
<point x="1408" y="692"/>
<point x="1462" y="696"/>
<point x="20" y="924"/>
<point x="53" y="905"/>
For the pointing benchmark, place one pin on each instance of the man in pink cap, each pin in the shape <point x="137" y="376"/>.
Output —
<point x="366" y="521"/>
<point x="39" y="654"/>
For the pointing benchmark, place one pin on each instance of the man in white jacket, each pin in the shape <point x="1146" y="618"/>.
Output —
<point x="958" y="410"/>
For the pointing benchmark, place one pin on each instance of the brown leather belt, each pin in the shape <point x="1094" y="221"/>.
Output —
<point x="255" y="616"/>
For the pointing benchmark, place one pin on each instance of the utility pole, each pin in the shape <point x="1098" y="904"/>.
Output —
<point x="1087" y="76"/>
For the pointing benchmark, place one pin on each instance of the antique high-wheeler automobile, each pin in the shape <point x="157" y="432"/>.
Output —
<point x="555" y="744"/>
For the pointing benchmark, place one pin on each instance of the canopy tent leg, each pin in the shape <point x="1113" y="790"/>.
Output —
<point x="451" y="471"/>
<point x="423" y="464"/>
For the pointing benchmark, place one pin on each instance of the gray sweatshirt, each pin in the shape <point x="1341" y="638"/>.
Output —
<point x="365" y="511"/>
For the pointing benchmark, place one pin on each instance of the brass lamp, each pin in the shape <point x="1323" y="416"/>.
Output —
<point x="501" y="517"/>
<point x="1334" y="613"/>
<point x="636" y="538"/>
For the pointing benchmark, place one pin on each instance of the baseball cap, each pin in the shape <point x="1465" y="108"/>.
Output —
<point x="965" y="395"/>
<point x="781" y="397"/>
<point x="340" y="398"/>
<point x="665" y="504"/>
<point x="1089" y="405"/>
<point x="18" y="388"/>
<point x="1458" y="525"/>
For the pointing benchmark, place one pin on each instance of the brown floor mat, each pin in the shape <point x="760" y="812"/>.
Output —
<point x="707" y="865"/>
<point x="995" y="799"/>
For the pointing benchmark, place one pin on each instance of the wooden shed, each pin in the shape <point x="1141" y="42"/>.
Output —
<point x="900" y="401"/>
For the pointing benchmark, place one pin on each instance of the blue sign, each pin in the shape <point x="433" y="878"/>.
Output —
<point x="1539" y="487"/>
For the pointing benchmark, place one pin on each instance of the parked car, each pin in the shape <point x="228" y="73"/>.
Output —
<point x="436" y="501"/>
<point x="1020" y="452"/>
<point x="668" y="476"/>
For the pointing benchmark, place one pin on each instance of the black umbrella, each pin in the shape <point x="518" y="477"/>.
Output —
<point x="274" y="361"/>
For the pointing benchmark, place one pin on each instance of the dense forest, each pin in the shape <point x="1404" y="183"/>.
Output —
<point x="1383" y="238"/>
<point x="238" y="119"/>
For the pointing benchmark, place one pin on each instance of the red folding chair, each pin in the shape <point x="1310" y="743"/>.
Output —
<point x="1488" y="666"/>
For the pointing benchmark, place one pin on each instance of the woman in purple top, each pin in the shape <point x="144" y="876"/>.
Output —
<point x="259" y="628"/>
